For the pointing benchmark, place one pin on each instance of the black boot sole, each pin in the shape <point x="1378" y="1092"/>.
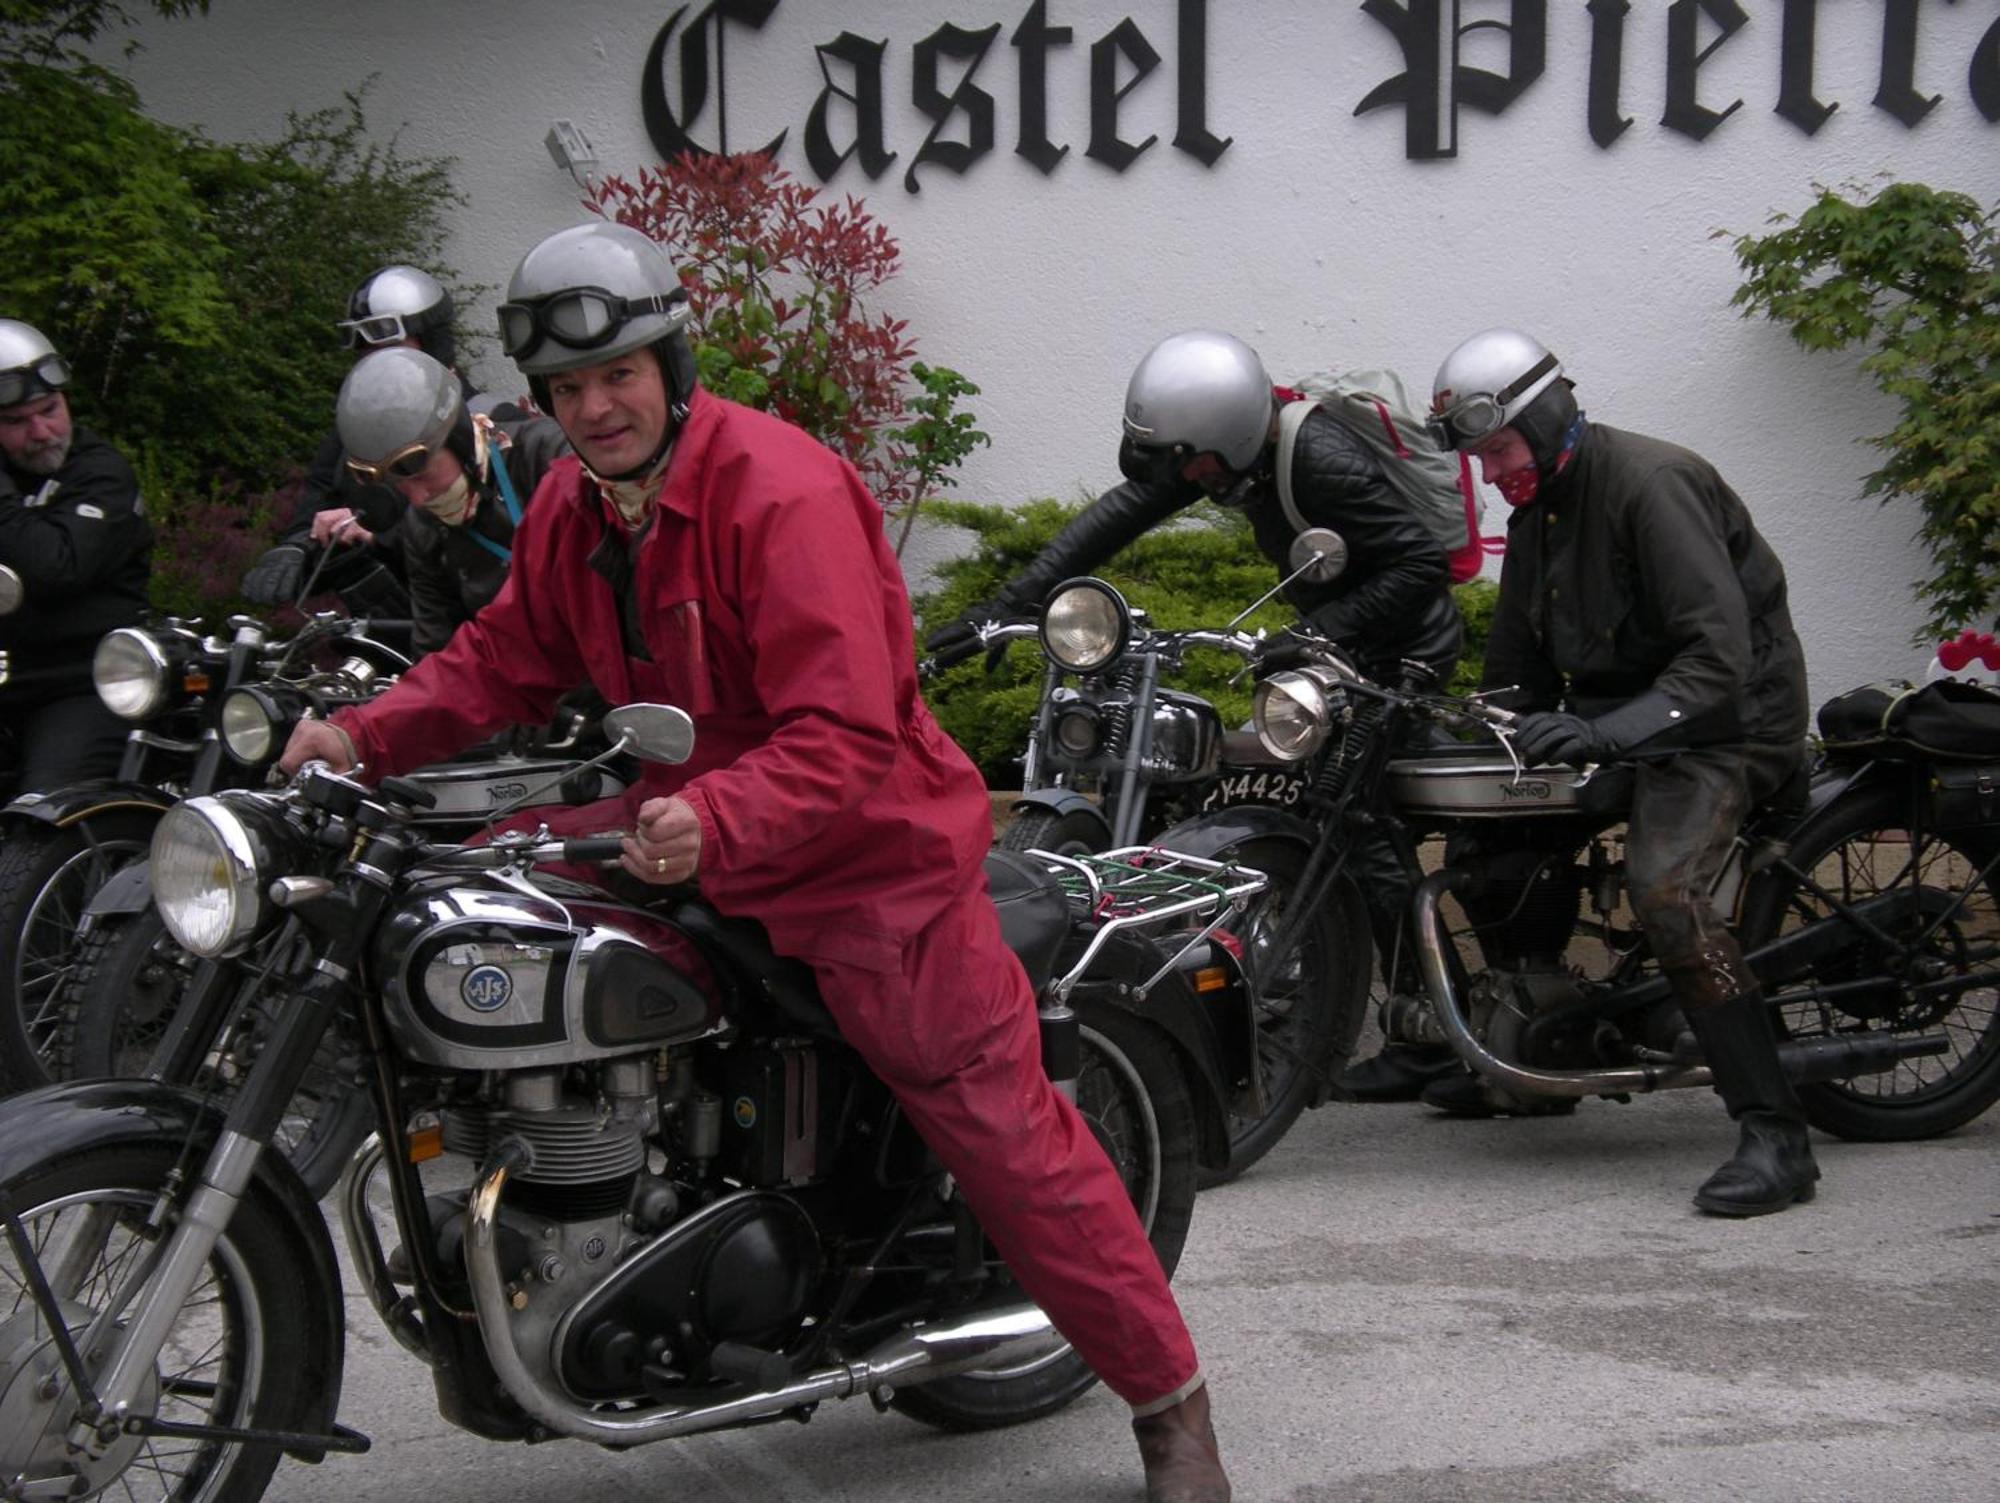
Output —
<point x="1740" y="1209"/>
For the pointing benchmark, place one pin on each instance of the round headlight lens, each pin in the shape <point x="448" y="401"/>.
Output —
<point x="205" y="878"/>
<point x="1291" y="713"/>
<point x="249" y="726"/>
<point x="1084" y="626"/>
<point x="131" y="671"/>
<point x="1075" y="731"/>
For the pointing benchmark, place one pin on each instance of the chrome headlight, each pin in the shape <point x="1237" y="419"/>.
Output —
<point x="1085" y="625"/>
<point x="132" y="672"/>
<point x="206" y="876"/>
<point x="250" y="722"/>
<point x="1293" y="712"/>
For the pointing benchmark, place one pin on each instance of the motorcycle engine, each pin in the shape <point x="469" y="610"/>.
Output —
<point x="1523" y="902"/>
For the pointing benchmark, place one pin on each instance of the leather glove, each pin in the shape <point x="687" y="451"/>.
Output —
<point x="1558" y="736"/>
<point x="275" y="578"/>
<point x="1289" y="649"/>
<point x="958" y="640"/>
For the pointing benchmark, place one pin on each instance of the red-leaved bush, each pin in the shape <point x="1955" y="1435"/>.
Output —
<point x="779" y="281"/>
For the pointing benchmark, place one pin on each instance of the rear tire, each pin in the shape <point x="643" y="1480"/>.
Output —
<point x="230" y="1356"/>
<point x="1864" y="845"/>
<point x="1132" y="1092"/>
<point x="48" y="875"/>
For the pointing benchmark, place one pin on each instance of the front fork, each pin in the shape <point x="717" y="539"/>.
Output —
<point x="170" y="1276"/>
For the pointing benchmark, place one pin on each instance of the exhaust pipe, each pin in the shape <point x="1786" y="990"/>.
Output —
<point x="1804" y="1060"/>
<point x="923" y="1354"/>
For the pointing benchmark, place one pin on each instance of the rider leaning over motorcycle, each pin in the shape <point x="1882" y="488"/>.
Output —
<point x="396" y="307"/>
<point x="703" y="554"/>
<point x="73" y="529"/>
<point x="1641" y="614"/>
<point x="468" y="479"/>
<point x="1201" y="418"/>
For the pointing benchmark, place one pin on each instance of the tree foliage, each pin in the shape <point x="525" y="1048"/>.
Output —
<point x="781" y="283"/>
<point x="1911" y="276"/>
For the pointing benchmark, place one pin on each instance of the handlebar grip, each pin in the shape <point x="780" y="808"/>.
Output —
<point x="593" y="848"/>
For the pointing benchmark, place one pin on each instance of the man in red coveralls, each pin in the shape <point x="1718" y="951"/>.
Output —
<point x="701" y="554"/>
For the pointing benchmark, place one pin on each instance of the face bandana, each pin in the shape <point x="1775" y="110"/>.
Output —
<point x="633" y="499"/>
<point x="1521" y="486"/>
<point x="453" y="505"/>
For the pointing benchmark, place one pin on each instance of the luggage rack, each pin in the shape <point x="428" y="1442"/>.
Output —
<point x="1144" y="885"/>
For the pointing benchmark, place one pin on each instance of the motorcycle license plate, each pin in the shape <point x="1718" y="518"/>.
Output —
<point x="1280" y="789"/>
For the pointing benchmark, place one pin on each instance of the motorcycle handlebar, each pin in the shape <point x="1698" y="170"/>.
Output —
<point x="587" y="848"/>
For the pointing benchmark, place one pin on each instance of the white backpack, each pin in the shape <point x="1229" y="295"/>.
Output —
<point x="1437" y="483"/>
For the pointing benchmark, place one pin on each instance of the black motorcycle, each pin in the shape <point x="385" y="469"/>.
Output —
<point x="1116" y="756"/>
<point x="58" y="849"/>
<point x="690" y="1206"/>
<point x="1865" y="905"/>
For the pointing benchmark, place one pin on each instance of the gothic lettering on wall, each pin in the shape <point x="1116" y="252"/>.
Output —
<point x="955" y="73"/>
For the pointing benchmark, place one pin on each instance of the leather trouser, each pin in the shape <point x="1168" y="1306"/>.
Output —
<point x="1686" y="812"/>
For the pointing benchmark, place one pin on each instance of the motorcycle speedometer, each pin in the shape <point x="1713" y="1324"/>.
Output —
<point x="1292" y="714"/>
<point x="1085" y="625"/>
<point x="132" y="672"/>
<point x="207" y="877"/>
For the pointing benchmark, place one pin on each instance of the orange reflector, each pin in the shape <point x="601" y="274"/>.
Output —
<point x="1211" y="978"/>
<point x="196" y="683"/>
<point x="426" y="1142"/>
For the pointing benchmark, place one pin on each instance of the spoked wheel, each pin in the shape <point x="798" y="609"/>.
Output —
<point x="47" y="878"/>
<point x="224" y="1362"/>
<point x="1309" y="1004"/>
<point x="1133" y="1095"/>
<point x="1073" y="834"/>
<point x="132" y="979"/>
<point x="1941" y="978"/>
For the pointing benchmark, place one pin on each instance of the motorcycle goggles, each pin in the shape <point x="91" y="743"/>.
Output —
<point x="406" y="463"/>
<point x="1479" y="414"/>
<point x="39" y="378"/>
<point x="583" y="318"/>
<point x="376" y="329"/>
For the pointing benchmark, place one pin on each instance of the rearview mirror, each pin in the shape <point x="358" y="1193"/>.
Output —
<point x="11" y="591"/>
<point x="652" y="733"/>
<point x="1319" y="555"/>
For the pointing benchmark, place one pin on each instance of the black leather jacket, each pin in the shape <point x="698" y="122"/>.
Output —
<point x="1639" y="568"/>
<point x="1392" y="602"/>
<point x="81" y="543"/>
<point x="451" y="573"/>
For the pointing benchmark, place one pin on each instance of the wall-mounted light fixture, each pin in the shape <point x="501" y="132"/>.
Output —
<point x="571" y="149"/>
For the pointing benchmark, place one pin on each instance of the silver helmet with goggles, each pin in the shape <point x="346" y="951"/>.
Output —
<point x="588" y="294"/>
<point x="29" y="365"/>
<point x="395" y="304"/>
<point x="1200" y="392"/>
<point x="396" y="409"/>
<point x="1486" y="383"/>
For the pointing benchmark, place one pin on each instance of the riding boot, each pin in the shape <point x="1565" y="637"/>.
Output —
<point x="1178" y="1448"/>
<point x="1467" y="1095"/>
<point x="1398" y="1072"/>
<point x="1774" y="1164"/>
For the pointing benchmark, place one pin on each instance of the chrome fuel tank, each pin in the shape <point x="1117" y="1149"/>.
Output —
<point x="1479" y="783"/>
<point x="482" y="975"/>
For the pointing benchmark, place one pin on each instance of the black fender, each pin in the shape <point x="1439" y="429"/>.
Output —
<point x="127" y="890"/>
<point x="1061" y="802"/>
<point x="62" y="807"/>
<point x="58" y="1121"/>
<point x="1127" y="962"/>
<point x="1207" y="835"/>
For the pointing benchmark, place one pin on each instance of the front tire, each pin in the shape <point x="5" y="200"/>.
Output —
<point x="1861" y="846"/>
<point x="48" y="875"/>
<point x="227" y="1359"/>
<point x="1310" y="1006"/>
<point x="132" y="978"/>
<point x="1078" y="832"/>
<point x="1133" y="1093"/>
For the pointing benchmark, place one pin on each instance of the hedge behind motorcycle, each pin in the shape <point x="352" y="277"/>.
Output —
<point x="632" y="1261"/>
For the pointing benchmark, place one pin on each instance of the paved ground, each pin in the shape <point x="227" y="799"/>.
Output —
<point x="1398" y="1307"/>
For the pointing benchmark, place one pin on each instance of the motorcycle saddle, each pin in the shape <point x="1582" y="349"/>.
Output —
<point x="1034" y="915"/>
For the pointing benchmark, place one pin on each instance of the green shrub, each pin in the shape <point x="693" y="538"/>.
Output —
<point x="1201" y="571"/>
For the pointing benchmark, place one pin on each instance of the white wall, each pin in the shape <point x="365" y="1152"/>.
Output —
<point x="1312" y="236"/>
